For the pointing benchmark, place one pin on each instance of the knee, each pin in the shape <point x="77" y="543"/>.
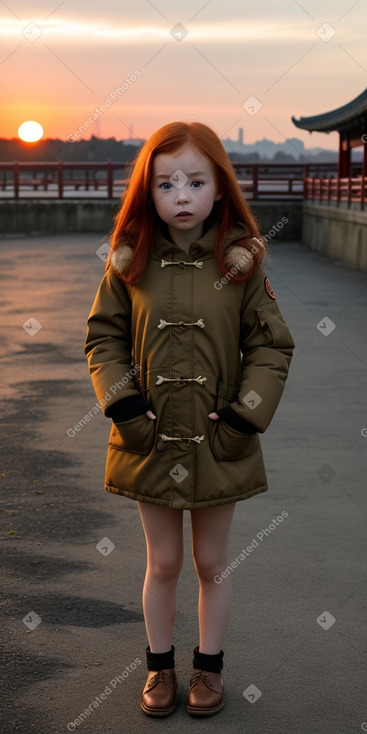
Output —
<point x="165" y="567"/>
<point x="208" y="565"/>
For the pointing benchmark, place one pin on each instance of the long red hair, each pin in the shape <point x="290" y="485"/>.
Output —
<point x="134" y="224"/>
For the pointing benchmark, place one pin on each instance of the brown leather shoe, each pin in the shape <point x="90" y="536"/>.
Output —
<point x="205" y="696"/>
<point x="159" y="695"/>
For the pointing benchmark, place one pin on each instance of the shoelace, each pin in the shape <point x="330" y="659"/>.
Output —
<point x="162" y="323"/>
<point x="162" y="676"/>
<point x="196" y="263"/>
<point x="201" y="674"/>
<point x="161" y="379"/>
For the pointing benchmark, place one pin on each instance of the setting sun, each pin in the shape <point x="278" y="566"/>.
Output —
<point x="30" y="131"/>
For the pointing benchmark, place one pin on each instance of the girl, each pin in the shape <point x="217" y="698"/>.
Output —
<point x="188" y="354"/>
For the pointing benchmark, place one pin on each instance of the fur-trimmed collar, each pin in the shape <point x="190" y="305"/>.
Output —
<point x="235" y="256"/>
<point x="121" y="259"/>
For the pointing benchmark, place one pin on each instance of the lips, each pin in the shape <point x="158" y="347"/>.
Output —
<point x="184" y="214"/>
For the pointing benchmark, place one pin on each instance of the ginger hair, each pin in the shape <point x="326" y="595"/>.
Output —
<point x="135" y="222"/>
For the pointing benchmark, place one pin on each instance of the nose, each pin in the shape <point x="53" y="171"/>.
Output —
<point x="182" y="194"/>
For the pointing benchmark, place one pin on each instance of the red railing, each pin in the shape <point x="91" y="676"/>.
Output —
<point x="258" y="181"/>
<point x="20" y="180"/>
<point x="350" y="192"/>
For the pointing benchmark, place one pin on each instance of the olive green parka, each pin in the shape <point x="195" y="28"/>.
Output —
<point x="190" y="341"/>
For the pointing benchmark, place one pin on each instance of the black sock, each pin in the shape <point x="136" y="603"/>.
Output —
<point x="212" y="663"/>
<point x="160" y="660"/>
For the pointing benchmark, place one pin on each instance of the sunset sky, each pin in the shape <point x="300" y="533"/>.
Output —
<point x="198" y="60"/>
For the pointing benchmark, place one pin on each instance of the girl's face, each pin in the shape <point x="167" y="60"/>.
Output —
<point x="183" y="181"/>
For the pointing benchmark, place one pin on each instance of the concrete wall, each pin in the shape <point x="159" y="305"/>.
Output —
<point x="68" y="215"/>
<point x="336" y="232"/>
<point x="279" y="219"/>
<point x="85" y="215"/>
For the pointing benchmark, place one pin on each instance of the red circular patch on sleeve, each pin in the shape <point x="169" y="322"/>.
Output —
<point x="269" y="289"/>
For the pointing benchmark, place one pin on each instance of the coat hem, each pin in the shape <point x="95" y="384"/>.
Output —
<point x="186" y="505"/>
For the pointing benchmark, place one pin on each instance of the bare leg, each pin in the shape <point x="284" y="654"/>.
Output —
<point x="210" y="538"/>
<point x="164" y="540"/>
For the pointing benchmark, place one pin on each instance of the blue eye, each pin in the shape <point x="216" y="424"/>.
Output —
<point x="166" y="186"/>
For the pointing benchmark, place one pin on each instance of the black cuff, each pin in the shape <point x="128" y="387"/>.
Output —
<point x="235" y="421"/>
<point x="127" y="408"/>
<point x="160" y="660"/>
<point x="212" y="663"/>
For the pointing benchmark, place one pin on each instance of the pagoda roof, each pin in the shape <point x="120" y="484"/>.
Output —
<point x="350" y="117"/>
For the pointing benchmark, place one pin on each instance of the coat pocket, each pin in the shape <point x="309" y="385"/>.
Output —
<point x="272" y="323"/>
<point x="136" y="436"/>
<point x="230" y="445"/>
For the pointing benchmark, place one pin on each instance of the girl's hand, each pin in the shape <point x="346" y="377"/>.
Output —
<point x="213" y="416"/>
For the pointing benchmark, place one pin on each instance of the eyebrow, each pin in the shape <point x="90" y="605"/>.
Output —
<point x="195" y="173"/>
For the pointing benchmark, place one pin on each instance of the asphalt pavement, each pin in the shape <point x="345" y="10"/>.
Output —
<point x="73" y="634"/>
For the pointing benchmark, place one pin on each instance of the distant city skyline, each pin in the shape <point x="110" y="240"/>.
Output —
<point x="231" y="144"/>
<point x="97" y="148"/>
<point x="144" y="64"/>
